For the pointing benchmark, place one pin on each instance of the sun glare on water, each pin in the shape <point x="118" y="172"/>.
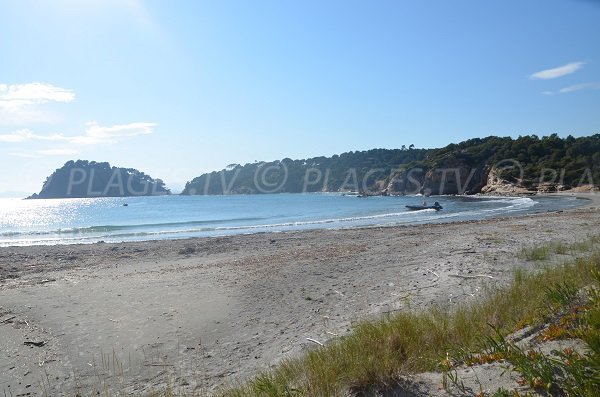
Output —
<point x="26" y="214"/>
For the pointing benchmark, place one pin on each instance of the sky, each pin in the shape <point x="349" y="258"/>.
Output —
<point x="178" y="88"/>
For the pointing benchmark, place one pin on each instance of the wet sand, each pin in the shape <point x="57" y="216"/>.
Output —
<point x="200" y="313"/>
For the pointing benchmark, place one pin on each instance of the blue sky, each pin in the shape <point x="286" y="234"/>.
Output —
<point x="178" y="88"/>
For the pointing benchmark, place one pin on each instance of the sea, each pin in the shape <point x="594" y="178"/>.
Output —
<point x="74" y="221"/>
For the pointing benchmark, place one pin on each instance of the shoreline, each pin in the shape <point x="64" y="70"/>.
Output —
<point x="592" y="197"/>
<point x="204" y="312"/>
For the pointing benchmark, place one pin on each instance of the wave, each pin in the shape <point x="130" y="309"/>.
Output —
<point x="115" y="228"/>
<point x="112" y="231"/>
<point x="454" y="209"/>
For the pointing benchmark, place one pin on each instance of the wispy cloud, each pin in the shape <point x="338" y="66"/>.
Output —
<point x="27" y="135"/>
<point x="573" y="88"/>
<point x="557" y="72"/>
<point x="579" y="87"/>
<point x="120" y="130"/>
<point x="18" y="136"/>
<point x="13" y="96"/>
<point x="94" y="134"/>
<point x="21" y="104"/>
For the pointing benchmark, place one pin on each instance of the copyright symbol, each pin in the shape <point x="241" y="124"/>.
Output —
<point x="270" y="178"/>
<point x="509" y="165"/>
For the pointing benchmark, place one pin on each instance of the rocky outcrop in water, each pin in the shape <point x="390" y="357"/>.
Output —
<point x="83" y="179"/>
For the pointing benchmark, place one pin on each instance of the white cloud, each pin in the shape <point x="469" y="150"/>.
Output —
<point x="18" y="136"/>
<point x="94" y="134"/>
<point x="26" y="135"/>
<point x="557" y="72"/>
<point x="131" y="129"/>
<point x="573" y="88"/>
<point x="20" y="103"/>
<point x="578" y="87"/>
<point x="15" y="96"/>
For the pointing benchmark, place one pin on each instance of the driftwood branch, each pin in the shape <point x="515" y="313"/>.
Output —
<point x="437" y="277"/>
<point x="34" y="343"/>
<point x="315" y="341"/>
<point x="6" y="320"/>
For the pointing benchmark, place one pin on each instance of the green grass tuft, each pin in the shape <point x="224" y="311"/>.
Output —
<point x="561" y="294"/>
<point x="545" y="252"/>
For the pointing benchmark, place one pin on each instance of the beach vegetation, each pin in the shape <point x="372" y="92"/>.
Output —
<point x="549" y="250"/>
<point x="375" y="355"/>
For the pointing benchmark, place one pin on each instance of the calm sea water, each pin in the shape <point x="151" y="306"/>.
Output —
<point x="68" y="221"/>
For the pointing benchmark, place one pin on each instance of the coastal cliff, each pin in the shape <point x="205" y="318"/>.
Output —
<point x="459" y="179"/>
<point x="492" y="165"/>
<point x="84" y="179"/>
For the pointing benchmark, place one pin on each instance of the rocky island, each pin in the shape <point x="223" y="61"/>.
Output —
<point x="84" y="179"/>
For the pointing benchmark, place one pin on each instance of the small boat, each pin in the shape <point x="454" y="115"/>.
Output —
<point x="436" y="206"/>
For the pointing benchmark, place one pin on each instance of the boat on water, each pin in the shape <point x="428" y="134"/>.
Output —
<point x="436" y="206"/>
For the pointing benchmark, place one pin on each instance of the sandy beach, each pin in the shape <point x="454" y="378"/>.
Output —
<point x="198" y="314"/>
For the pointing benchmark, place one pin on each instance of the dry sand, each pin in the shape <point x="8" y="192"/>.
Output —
<point x="199" y="313"/>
